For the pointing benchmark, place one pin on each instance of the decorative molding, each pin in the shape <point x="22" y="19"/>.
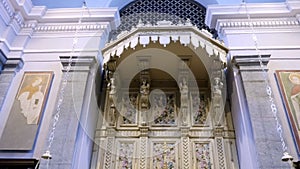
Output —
<point x="28" y="11"/>
<point x="143" y="152"/>
<point x="108" y="153"/>
<point x="8" y="8"/>
<point x="108" y="15"/>
<point x="165" y="133"/>
<point x="264" y="25"/>
<point x="240" y="23"/>
<point x="185" y="153"/>
<point x="64" y="28"/>
<point x="144" y="130"/>
<point x="221" y="153"/>
<point x="219" y="132"/>
<point x="200" y="133"/>
<point x="18" y="18"/>
<point x="128" y="133"/>
<point x="165" y="32"/>
<point x="251" y="62"/>
<point x="10" y="64"/>
<point x="13" y="12"/>
<point x="3" y="60"/>
<point x="273" y="11"/>
<point x="77" y="62"/>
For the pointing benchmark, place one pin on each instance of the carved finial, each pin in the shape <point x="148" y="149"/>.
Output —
<point x="179" y="23"/>
<point x="140" y="23"/>
<point x="188" y="22"/>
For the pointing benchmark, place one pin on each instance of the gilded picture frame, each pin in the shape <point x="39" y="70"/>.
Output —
<point x="289" y="84"/>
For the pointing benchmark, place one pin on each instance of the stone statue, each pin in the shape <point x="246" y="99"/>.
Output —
<point x="184" y="115"/>
<point x="144" y="101"/>
<point x="217" y="101"/>
<point x="112" y="86"/>
<point x="145" y="90"/>
<point x="217" y="91"/>
<point x="112" y="91"/>
<point x="184" y="91"/>
<point x="112" y="116"/>
<point x="112" y="100"/>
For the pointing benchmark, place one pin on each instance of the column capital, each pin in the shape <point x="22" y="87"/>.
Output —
<point x="10" y="64"/>
<point x="78" y="63"/>
<point x="251" y="62"/>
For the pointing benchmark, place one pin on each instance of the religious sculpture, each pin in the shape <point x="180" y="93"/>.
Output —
<point x="144" y="90"/>
<point x="217" y="91"/>
<point x="217" y="100"/>
<point x="184" y="91"/>
<point x="112" y="99"/>
<point x="112" y="90"/>
<point x="144" y="100"/>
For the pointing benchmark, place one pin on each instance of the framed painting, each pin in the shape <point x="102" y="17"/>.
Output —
<point x="25" y="115"/>
<point x="289" y="82"/>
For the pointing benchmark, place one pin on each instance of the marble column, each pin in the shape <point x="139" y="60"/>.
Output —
<point x="70" y="133"/>
<point x="8" y="69"/>
<point x="255" y="125"/>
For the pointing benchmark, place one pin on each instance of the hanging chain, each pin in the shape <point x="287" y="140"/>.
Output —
<point x="66" y="77"/>
<point x="268" y="87"/>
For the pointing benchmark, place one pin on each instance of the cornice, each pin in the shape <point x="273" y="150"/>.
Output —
<point x="62" y="20"/>
<point x="278" y="23"/>
<point x="22" y="10"/>
<point x="80" y="62"/>
<point x="26" y="8"/>
<point x="251" y="62"/>
<point x="8" y="7"/>
<point x="10" y="64"/>
<point x="269" y="11"/>
<point x="10" y="15"/>
<point x="87" y="14"/>
<point x="40" y="19"/>
<point x="257" y="22"/>
<point x="66" y="27"/>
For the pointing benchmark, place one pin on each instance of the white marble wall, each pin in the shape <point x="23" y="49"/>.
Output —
<point x="276" y="27"/>
<point x="39" y="37"/>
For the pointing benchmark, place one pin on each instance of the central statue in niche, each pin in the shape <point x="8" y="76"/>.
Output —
<point x="145" y="90"/>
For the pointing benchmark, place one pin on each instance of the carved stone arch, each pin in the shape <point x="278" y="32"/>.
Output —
<point x="136" y="54"/>
<point x="211" y="52"/>
<point x="147" y="47"/>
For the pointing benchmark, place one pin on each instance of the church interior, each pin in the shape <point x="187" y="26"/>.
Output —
<point x="149" y="84"/>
